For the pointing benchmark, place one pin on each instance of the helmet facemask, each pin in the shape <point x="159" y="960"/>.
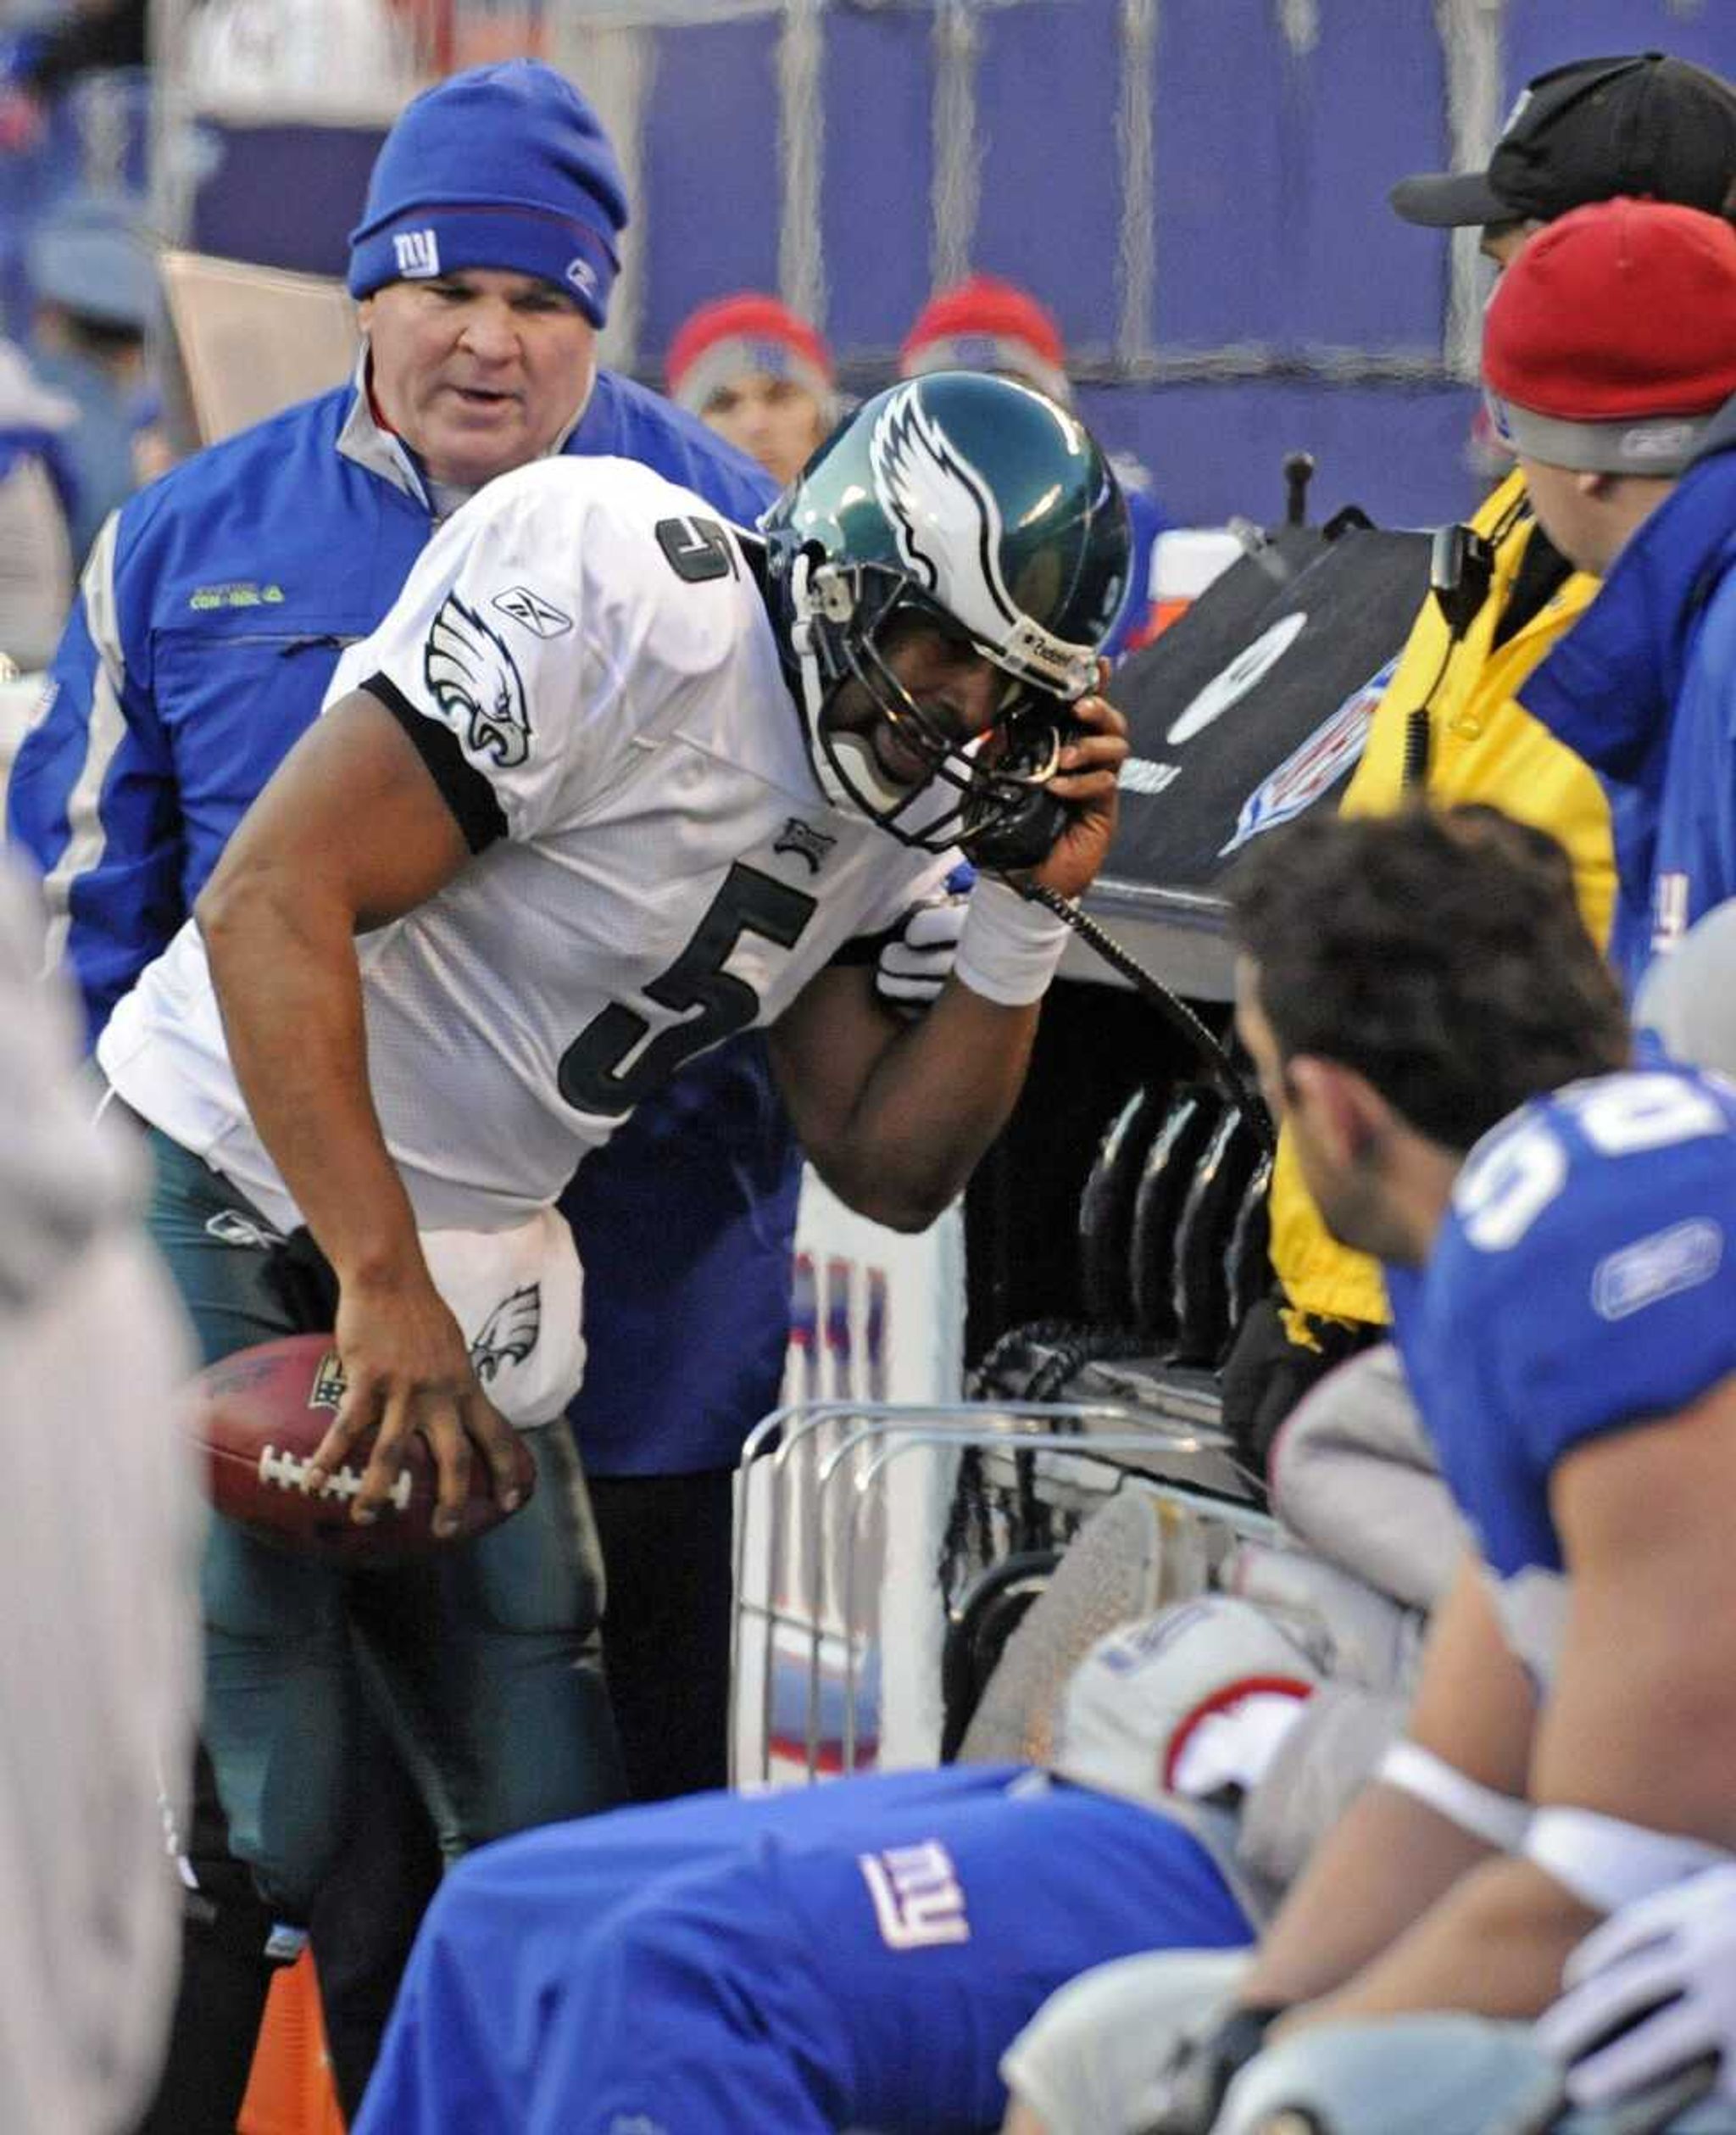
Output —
<point x="849" y="619"/>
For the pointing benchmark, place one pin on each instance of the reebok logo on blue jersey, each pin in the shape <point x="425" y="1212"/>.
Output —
<point x="1652" y="1268"/>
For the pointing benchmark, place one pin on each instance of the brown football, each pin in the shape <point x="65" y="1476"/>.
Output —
<point x="258" y="1417"/>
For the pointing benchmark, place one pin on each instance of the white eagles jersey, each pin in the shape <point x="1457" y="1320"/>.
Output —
<point x="584" y="660"/>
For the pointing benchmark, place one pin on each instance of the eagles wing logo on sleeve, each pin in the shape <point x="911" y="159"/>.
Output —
<point x="471" y="674"/>
<point x="509" y="1333"/>
<point x="944" y="515"/>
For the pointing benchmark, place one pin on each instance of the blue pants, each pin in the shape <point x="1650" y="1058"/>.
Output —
<point x="854" y="1954"/>
<point x="484" y="1661"/>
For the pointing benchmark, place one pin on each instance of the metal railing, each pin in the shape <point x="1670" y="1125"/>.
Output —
<point x="812" y="1476"/>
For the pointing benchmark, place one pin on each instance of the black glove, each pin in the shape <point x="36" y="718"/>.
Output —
<point x="1189" y="2094"/>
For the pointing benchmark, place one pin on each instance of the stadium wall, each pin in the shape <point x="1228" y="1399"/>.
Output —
<point x="1196" y="187"/>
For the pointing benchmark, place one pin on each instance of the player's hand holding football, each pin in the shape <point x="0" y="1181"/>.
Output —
<point x="1090" y="765"/>
<point x="407" y="1370"/>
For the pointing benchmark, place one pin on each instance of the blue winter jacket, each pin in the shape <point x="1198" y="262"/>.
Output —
<point x="1644" y="688"/>
<point x="212" y="613"/>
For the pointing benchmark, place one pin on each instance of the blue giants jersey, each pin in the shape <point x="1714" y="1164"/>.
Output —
<point x="859" y="1954"/>
<point x="1584" y="1282"/>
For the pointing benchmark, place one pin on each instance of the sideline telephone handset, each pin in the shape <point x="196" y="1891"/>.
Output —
<point x="1024" y="836"/>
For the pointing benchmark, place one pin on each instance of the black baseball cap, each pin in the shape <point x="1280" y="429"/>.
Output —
<point x="1643" y="124"/>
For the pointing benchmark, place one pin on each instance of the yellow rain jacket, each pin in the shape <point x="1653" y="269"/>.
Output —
<point x="1482" y="747"/>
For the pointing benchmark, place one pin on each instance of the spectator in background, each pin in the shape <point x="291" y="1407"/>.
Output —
<point x="261" y="54"/>
<point x="1610" y="360"/>
<point x="759" y="376"/>
<point x="93" y="280"/>
<point x="985" y="324"/>
<point x="40" y="60"/>
<point x="37" y="492"/>
<point x="212" y="617"/>
<point x="1450" y="722"/>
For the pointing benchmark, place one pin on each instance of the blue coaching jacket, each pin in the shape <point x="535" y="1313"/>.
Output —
<point x="212" y="613"/>
<point x="1644" y="688"/>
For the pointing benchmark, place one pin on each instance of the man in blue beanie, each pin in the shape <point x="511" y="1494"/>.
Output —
<point x="539" y="187"/>
<point x="211" y="617"/>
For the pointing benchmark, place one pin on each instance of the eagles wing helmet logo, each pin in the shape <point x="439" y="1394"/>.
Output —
<point x="469" y="670"/>
<point x="509" y="1333"/>
<point x="944" y="514"/>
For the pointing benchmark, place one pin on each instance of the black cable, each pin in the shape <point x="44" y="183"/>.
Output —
<point x="1174" y="1011"/>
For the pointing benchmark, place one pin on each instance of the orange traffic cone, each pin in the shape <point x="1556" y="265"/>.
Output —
<point x="291" y="2091"/>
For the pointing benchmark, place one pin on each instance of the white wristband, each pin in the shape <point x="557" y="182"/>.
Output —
<point x="1607" y="1862"/>
<point x="1010" y="947"/>
<point x="1499" y="1819"/>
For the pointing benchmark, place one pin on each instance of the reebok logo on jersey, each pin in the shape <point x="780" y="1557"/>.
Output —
<point x="1645" y="1272"/>
<point x="417" y="255"/>
<point x="805" y="842"/>
<point x="539" y="616"/>
<point x="509" y="1333"/>
<point x="918" y="1903"/>
<point x="472" y="678"/>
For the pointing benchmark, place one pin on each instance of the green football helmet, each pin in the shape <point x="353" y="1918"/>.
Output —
<point x="978" y="505"/>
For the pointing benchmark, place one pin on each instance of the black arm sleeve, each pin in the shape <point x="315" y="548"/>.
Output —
<point x="465" y="791"/>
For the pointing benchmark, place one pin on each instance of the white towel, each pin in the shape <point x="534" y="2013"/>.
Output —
<point x="516" y="1294"/>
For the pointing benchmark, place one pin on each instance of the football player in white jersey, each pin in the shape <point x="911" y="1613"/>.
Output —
<point x="616" y="782"/>
<point x="613" y="780"/>
<point x="1554" y="1217"/>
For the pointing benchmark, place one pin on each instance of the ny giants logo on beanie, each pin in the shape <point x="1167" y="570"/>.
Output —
<point x="505" y="168"/>
<point x="417" y="255"/>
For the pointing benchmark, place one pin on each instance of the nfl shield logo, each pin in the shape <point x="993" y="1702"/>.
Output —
<point x="1307" y="772"/>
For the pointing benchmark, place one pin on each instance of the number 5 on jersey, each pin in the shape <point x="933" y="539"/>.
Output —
<point x="609" y="1068"/>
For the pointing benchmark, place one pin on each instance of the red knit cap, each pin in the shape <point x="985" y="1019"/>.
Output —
<point x="1611" y="338"/>
<point x="988" y="325"/>
<point x="722" y="342"/>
